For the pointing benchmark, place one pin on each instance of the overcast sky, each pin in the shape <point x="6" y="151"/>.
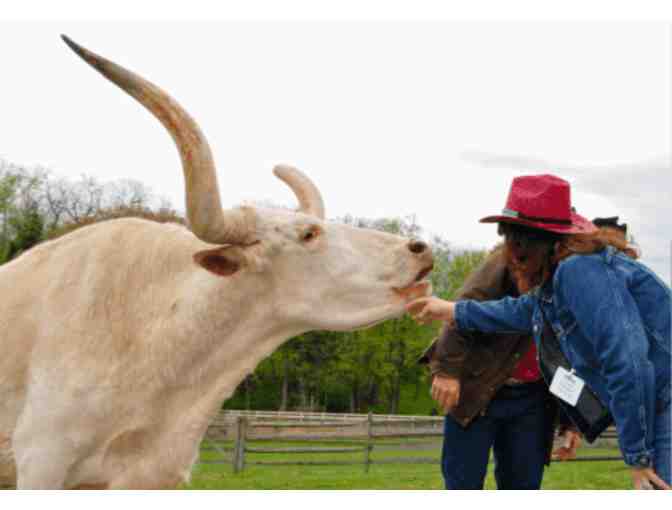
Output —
<point x="389" y="119"/>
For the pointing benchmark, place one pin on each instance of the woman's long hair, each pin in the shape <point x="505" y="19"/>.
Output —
<point x="589" y="243"/>
<point x="533" y="254"/>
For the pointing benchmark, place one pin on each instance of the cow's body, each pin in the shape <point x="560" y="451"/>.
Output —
<point x="120" y="341"/>
<point x="124" y="366"/>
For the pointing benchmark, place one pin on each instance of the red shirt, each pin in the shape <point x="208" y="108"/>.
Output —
<point x="527" y="368"/>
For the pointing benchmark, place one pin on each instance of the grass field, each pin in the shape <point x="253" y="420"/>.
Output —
<point x="569" y="475"/>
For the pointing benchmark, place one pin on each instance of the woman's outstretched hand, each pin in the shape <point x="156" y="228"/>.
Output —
<point x="427" y="309"/>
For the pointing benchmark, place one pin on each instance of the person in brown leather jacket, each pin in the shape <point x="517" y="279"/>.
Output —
<point x="492" y="392"/>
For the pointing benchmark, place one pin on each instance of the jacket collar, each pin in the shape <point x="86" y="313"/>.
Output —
<point x="545" y="293"/>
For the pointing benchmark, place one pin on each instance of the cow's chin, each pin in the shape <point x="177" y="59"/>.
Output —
<point x="365" y="318"/>
<point x="414" y="291"/>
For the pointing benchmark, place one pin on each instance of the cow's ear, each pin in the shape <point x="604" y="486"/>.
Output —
<point x="220" y="261"/>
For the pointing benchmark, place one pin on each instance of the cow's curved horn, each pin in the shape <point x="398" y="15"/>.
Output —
<point x="309" y="197"/>
<point x="207" y="220"/>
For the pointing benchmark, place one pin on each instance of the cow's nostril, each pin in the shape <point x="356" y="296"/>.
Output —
<point x="417" y="246"/>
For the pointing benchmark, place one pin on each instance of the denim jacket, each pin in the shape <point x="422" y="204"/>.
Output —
<point x="611" y="315"/>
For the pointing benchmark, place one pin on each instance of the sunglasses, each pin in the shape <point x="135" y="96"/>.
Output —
<point x="525" y="237"/>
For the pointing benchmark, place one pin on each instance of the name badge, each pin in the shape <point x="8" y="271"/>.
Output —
<point x="566" y="386"/>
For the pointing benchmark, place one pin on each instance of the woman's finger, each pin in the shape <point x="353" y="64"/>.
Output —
<point x="658" y="482"/>
<point x="444" y="403"/>
<point x="417" y="305"/>
<point x="435" y="393"/>
<point x="576" y="441"/>
<point x="417" y="314"/>
<point x="445" y="398"/>
<point x="426" y="315"/>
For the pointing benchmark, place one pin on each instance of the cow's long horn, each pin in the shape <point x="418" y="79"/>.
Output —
<point x="309" y="197"/>
<point x="207" y="220"/>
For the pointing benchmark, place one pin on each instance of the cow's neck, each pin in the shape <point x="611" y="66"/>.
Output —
<point x="236" y="328"/>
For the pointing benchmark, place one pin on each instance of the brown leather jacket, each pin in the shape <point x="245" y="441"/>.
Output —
<point x="481" y="362"/>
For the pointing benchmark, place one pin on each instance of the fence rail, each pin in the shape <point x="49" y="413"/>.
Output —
<point x="307" y="416"/>
<point x="353" y="433"/>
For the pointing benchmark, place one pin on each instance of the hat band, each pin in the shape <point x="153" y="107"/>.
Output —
<point x="519" y="215"/>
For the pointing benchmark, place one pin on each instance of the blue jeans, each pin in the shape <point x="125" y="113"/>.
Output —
<point x="662" y="444"/>
<point x="514" y="426"/>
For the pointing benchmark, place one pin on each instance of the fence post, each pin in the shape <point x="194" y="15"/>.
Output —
<point x="369" y="442"/>
<point x="239" y="449"/>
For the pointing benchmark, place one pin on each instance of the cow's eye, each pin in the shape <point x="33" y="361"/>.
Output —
<point x="310" y="234"/>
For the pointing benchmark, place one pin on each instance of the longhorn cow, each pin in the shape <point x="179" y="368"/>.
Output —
<point x="120" y="341"/>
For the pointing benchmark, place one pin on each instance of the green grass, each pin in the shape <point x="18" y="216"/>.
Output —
<point x="568" y="475"/>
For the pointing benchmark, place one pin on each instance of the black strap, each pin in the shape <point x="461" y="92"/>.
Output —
<point x="589" y="415"/>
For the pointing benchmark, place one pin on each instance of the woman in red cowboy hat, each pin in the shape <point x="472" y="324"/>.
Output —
<point x="608" y="314"/>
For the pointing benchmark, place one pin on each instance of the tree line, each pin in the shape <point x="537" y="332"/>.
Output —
<point x="374" y="369"/>
<point x="37" y="205"/>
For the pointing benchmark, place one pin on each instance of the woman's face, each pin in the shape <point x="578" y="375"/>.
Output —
<point x="528" y="255"/>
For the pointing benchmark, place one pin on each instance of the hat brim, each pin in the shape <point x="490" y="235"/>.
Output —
<point x="579" y="225"/>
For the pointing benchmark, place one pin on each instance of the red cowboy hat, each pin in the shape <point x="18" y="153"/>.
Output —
<point x="543" y="202"/>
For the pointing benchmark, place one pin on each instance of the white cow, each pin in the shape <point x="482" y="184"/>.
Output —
<point x="119" y="342"/>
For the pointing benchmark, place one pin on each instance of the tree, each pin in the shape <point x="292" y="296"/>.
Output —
<point x="28" y="227"/>
<point x="22" y="222"/>
<point x="440" y="275"/>
<point x="36" y="205"/>
<point x="461" y="265"/>
<point x="127" y="193"/>
<point x="8" y="185"/>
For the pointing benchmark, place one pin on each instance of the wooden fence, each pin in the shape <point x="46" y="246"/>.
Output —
<point x="230" y="433"/>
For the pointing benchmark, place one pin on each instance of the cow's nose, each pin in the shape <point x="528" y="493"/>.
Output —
<point x="417" y="247"/>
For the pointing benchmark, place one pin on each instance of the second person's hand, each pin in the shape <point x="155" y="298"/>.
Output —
<point x="446" y="392"/>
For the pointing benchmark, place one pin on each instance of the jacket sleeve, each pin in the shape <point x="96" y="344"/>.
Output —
<point x="447" y="352"/>
<point x="607" y="316"/>
<point x="508" y="315"/>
